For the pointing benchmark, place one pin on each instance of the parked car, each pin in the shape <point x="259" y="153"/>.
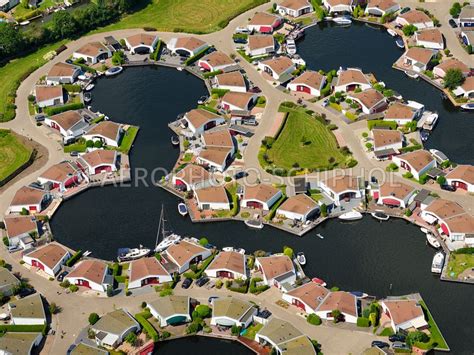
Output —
<point x="202" y="281"/>
<point x="400" y="345"/>
<point x="240" y="175"/>
<point x="69" y="61"/>
<point x="452" y="23"/>
<point x="255" y="90"/>
<point x="40" y="117"/>
<point x="211" y="299"/>
<point x="243" y="30"/>
<point x="74" y="153"/>
<point x="26" y="291"/>
<point x="325" y="102"/>
<point x="448" y="188"/>
<point x="405" y="9"/>
<point x="61" y="276"/>
<point x="396" y="337"/>
<point x="186" y="283"/>
<point x="380" y="344"/>
<point x="240" y="40"/>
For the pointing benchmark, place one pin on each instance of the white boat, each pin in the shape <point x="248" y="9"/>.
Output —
<point x="412" y="75"/>
<point x="399" y="42"/>
<point x="82" y="77"/>
<point x="24" y="23"/>
<point x="240" y="251"/>
<point x="182" y="209"/>
<point x="126" y="254"/>
<point x="438" y="262"/>
<point x="438" y="155"/>
<point x="301" y="258"/>
<point x="168" y="239"/>
<point x="342" y="21"/>
<point x="113" y="71"/>
<point x="351" y="216"/>
<point x="254" y="223"/>
<point x="89" y="87"/>
<point x="424" y="230"/>
<point x="392" y="32"/>
<point x="430" y="121"/>
<point x="175" y="140"/>
<point x="432" y="241"/>
<point x="87" y="97"/>
<point x="290" y="46"/>
<point x="87" y="253"/>
<point x="380" y="216"/>
<point x="179" y="68"/>
<point x="319" y="235"/>
<point x="228" y="249"/>
<point x="468" y="107"/>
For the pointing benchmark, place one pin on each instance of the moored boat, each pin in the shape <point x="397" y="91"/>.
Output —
<point x="128" y="254"/>
<point x="392" y="32"/>
<point x="87" y="97"/>
<point x="320" y="236"/>
<point x="319" y="281"/>
<point x="468" y="107"/>
<point x="89" y="87"/>
<point x="301" y="258"/>
<point x="412" y="75"/>
<point x="438" y="262"/>
<point x="168" y="239"/>
<point x="431" y="239"/>
<point x="175" y="140"/>
<point x="380" y="216"/>
<point x="254" y="223"/>
<point x="399" y="42"/>
<point x="182" y="209"/>
<point x="228" y="249"/>
<point x="113" y="71"/>
<point x="342" y="21"/>
<point x="351" y="216"/>
<point x="240" y="251"/>
<point x="424" y="230"/>
<point x="359" y="294"/>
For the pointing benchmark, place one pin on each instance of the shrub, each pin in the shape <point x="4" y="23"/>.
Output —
<point x="53" y="308"/>
<point x="73" y="259"/>
<point x="219" y="284"/>
<point x="6" y="241"/>
<point x="257" y="289"/>
<point x="324" y="210"/>
<point x="203" y="311"/>
<point x="313" y="319"/>
<point x="423" y="179"/>
<point x="365" y="134"/>
<point x="415" y="337"/>
<point x="235" y="330"/>
<point x="203" y="241"/>
<point x="51" y="111"/>
<point x="93" y="318"/>
<point x="408" y="212"/>
<point x="165" y="335"/>
<point x="408" y="175"/>
<point x="147" y="327"/>
<point x="368" y="145"/>
<point x="288" y="251"/>
<point x="363" y="322"/>
<point x="73" y="288"/>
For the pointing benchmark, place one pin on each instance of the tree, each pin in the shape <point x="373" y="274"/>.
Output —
<point x="118" y="58"/>
<point x="313" y="319"/>
<point x="64" y="25"/>
<point x="98" y="144"/>
<point x="131" y="338"/>
<point x="203" y="311"/>
<point x="93" y="318"/>
<point x="455" y="10"/>
<point x="53" y="308"/>
<point x="441" y="180"/>
<point x="288" y="252"/>
<point x="11" y="40"/>
<point x="203" y="241"/>
<point x="409" y="30"/>
<point x="453" y="78"/>
<point x="324" y="210"/>
<point x="337" y="315"/>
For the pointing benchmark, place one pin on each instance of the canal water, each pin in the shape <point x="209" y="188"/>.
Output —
<point x="379" y="258"/>
<point x="201" y="346"/>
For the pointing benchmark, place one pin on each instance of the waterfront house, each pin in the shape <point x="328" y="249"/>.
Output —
<point x="400" y="113"/>
<point x="218" y="138"/>
<point x="232" y="311"/>
<point x="381" y="7"/>
<point x="260" y="45"/>
<point x="147" y="271"/>
<point x="107" y="132"/>
<point x="238" y="101"/>
<point x="184" y="254"/>
<point x="49" y="258"/>
<point x="277" y="270"/>
<point x="466" y="16"/>
<point x="417" y="59"/>
<point x="62" y="73"/>
<point x="342" y="188"/>
<point x="8" y="282"/>
<point x="404" y="314"/>
<point x="171" y="310"/>
<point x="215" y="158"/>
<point x="212" y="198"/>
<point x="294" y="8"/>
<point x="279" y="68"/>
<point x="264" y="22"/>
<point x="233" y="81"/>
<point x="228" y="264"/>
<point x="30" y="199"/>
<point x="431" y="38"/>
<point x="49" y="95"/>
<point x="338" y="6"/>
<point x="199" y="120"/>
<point x="68" y="123"/>
<point x="441" y="69"/>
<point x="192" y="177"/>
<point x="141" y="43"/>
<point x="310" y="82"/>
<point x="86" y="349"/>
<point x="261" y="196"/>
<point x="282" y="336"/>
<point x="300" y="207"/>
<point x="417" y="162"/>
<point x="187" y="46"/>
<point x="351" y="79"/>
<point x="92" y="52"/>
<point x="394" y="194"/>
<point x="6" y="5"/>
<point x="27" y="311"/>
<point x="416" y="18"/>
<point x="466" y="89"/>
<point x="370" y="100"/>
<point x="216" y="60"/>
<point x="343" y="301"/>
<point x="61" y="176"/>
<point x="307" y="297"/>
<point x="93" y="274"/>
<point x="387" y="141"/>
<point x="112" y="328"/>
<point x="20" y="229"/>
<point x="99" y="161"/>
<point x="19" y="342"/>
<point x="462" y="177"/>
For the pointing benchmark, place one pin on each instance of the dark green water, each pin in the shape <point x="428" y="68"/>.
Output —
<point x="201" y="346"/>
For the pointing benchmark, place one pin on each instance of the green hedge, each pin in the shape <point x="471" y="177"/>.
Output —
<point x="156" y="52"/>
<point x="196" y="57"/>
<point x="146" y="325"/>
<point x="363" y="322"/>
<point x="51" y="111"/>
<point x="464" y="251"/>
<point x="72" y="260"/>
<point x="72" y="87"/>
<point x="381" y="123"/>
<point x="19" y="328"/>
<point x="313" y="319"/>
<point x="212" y="74"/>
<point x="257" y="289"/>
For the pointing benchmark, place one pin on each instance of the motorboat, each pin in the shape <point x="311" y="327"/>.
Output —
<point x="168" y="238"/>
<point x="87" y="253"/>
<point x="430" y="121"/>
<point x="228" y="249"/>
<point x="82" y="77"/>
<point x="359" y="294"/>
<point x="468" y="107"/>
<point x="380" y="216"/>
<point x="87" y="97"/>
<point x="438" y="262"/>
<point x="240" y="251"/>
<point x="182" y="209"/>
<point x="412" y="75"/>
<point x="175" y="140"/>
<point x="351" y="216"/>
<point x="424" y="135"/>
<point x="128" y="254"/>
<point x="319" y="281"/>
<point x="320" y="236"/>
<point x="424" y="230"/>
<point x="342" y="21"/>
<point x="179" y="68"/>
<point x="290" y="46"/>
<point x="89" y="87"/>
<point x="254" y="223"/>
<point x="399" y="42"/>
<point x="431" y="239"/>
<point x="24" y="23"/>
<point x="438" y="155"/>
<point x="392" y="32"/>
<point x="113" y="71"/>
<point x="301" y="258"/>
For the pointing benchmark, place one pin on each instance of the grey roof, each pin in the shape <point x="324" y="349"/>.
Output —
<point x="233" y="308"/>
<point x="240" y="129"/>
<point x="84" y="349"/>
<point x="467" y="13"/>
<point x="28" y="307"/>
<point x="435" y="172"/>
<point x="171" y="305"/>
<point x="284" y="276"/>
<point x="18" y="343"/>
<point x="116" y="322"/>
<point x="7" y="278"/>
<point x="300" y="185"/>
<point x="422" y="195"/>
<point x="385" y="152"/>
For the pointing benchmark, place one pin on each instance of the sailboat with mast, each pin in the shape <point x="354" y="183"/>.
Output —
<point x="168" y="238"/>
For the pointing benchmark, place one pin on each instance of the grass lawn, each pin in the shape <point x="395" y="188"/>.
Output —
<point x="458" y="263"/>
<point x="436" y="338"/>
<point x="253" y="330"/>
<point x="306" y="141"/>
<point x="76" y="147"/>
<point x="128" y="139"/>
<point x="20" y="11"/>
<point x="202" y="16"/>
<point x="13" y="154"/>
